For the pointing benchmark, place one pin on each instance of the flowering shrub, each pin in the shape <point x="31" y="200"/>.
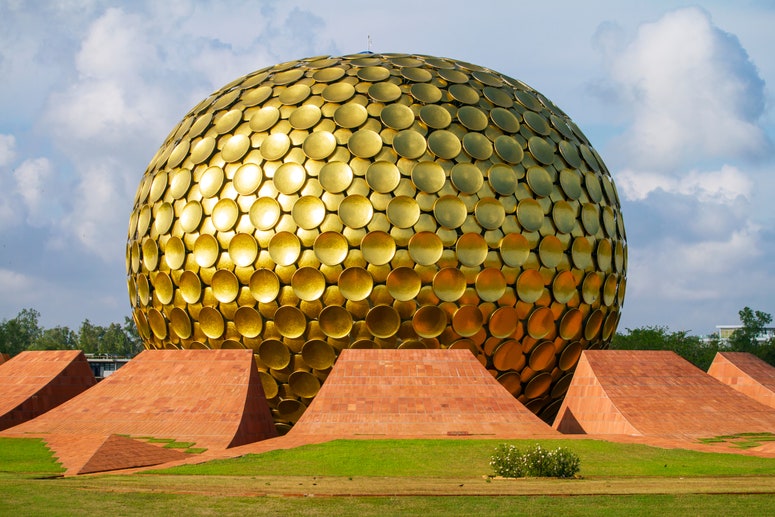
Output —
<point x="509" y="461"/>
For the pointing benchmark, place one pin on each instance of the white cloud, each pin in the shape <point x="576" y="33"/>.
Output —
<point x="723" y="186"/>
<point x="680" y="271"/>
<point x="7" y="149"/>
<point x="100" y="214"/>
<point x="693" y="90"/>
<point x="35" y="185"/>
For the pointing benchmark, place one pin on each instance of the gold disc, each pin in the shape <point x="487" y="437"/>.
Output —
<point x="429" y="321"/>
<point x="335" y="321"/>
<point x="449" y="284"/>
<point x="264" y="285"/>
<point x="383" y="321"/>
<point x="289" y="321"/>
<point x="330" y="248"/>
<point x="284" y="248"/>
<point x="403" y="283"/>
<point x="248" y="322"/>
<point x="225" y="286"/>
<point x="308" y="283"/>
<point x="378" y="248"/>
<point x="355" y="283"/>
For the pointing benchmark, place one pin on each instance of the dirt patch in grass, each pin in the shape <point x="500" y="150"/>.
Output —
<point x="242" y="486"/>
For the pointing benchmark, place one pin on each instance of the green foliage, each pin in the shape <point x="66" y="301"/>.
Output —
<point x="692" y="348"/>
<point x="747" y="338"/>
<point x="513" y="462"/>
<point x="24" y="333"/>
<point x="19" y="333"/>
<point x="57" y="338"/>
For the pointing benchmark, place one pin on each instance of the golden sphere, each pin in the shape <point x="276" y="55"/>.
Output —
<point x="379" y="201"/>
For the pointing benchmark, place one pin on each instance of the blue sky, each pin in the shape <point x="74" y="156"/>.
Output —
<point x="677" y="97"/>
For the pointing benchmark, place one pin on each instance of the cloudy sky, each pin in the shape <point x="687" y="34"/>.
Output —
<point x="676" y="96"/>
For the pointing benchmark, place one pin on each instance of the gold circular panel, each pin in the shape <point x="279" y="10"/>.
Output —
<point x="471" y="249"/>
<point x="264" y="213"/>
<point x="335" y="321"/>
<point x="403" y="211"/>
<point x="308" y="283"/>
<point x="289" y="321"/>
<point x="330" y="248"/>
<point x="403" y="283"/>
<point x="308" y="212"/>
<point x="355" y="283"/>
<point x="356" y="211"/>
<point x="225" y="286"/>
<point x="264" y="285"/>
<point x="248" y="322"/>
<point x="383" y="321"/>
<point x="378" y="248"/>
<point x="318" y="354"/>
<point x="336" y="176"/>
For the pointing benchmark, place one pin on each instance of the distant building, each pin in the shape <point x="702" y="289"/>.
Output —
<point x="104" y="365"/>
<point x="724" y="332"/>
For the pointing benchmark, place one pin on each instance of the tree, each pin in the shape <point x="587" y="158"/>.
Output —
<point x="89" y="337"/>
<point x="748" y="337"/>
<point x="692" y="348"/>
<point x="133" y="336"/>
<point x="19" y="333"/>
<point x="57" y="338"/>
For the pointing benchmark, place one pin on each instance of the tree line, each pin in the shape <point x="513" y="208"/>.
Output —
<point x="701" y="351"/>
<point x="24" y="332"/>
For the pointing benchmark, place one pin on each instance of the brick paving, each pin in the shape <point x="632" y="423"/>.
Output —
<point x="34" y="382"/>
<point x="656" y="394"/>
<point x="747" y="374"/>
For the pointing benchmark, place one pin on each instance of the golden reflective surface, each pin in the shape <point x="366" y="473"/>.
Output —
<point x="379" y="201"/>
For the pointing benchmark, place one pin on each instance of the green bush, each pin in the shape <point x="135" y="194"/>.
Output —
<point x="509" y="461"/>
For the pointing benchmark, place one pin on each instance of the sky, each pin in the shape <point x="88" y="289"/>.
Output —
<point x="677" y="97"/>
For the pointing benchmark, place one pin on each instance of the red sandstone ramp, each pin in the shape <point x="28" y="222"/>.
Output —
<point x="417" y="393"/>
<point x="34" y="382"/>
<point x="89" y="453"/>
<point x="747" y="374"/>
<point x="654" y="393"/>
<point x="211" y="397"/>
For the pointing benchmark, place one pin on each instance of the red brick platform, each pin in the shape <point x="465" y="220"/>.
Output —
<point x="415" y="393"/>
<point x="654" y="393"/>
<point x="210" y="397"/>
<point x="34" y="382"/>
<point x="747" y="374"/>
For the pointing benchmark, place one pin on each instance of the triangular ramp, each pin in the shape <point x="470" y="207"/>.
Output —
<point x="747" y="374"/>
<point x="210" y="397"/>
<point x="89" y="454"/>
<point x="654" y="393"/>
<point x="415" y="393"/>
<point x="34" y="382"/>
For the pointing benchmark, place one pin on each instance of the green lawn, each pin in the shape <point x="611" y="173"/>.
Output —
<point x="397" y="477"/>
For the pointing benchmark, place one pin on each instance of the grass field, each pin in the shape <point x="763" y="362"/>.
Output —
<point x="397" y="477"/>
